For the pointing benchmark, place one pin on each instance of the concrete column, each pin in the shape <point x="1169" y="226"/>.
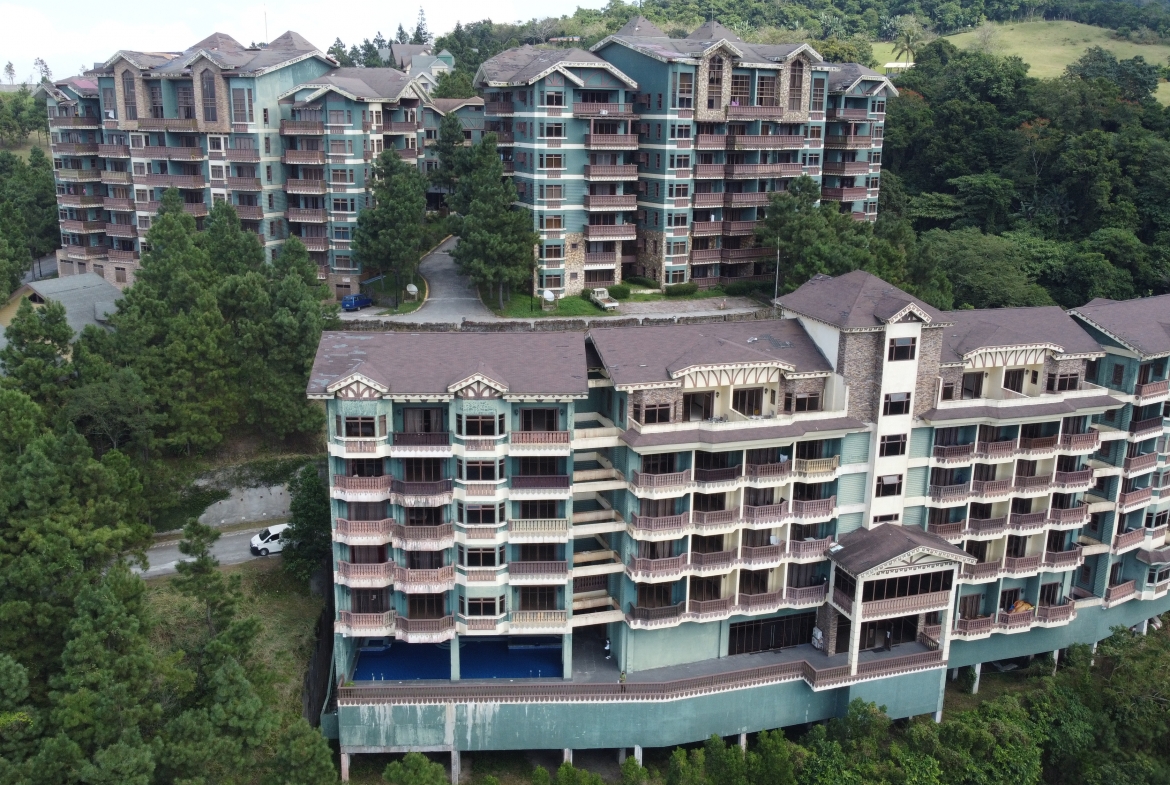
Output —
<point x="638" y="753"/>
<point x="455" y="658"/>
<point x="1093" y="650"/>
<point x="954" y="674"/>
<point x="621" y="756"/>
<point x="975" y="686"/>
<point x="568" y="756"/>
<point x="1055" y="661"/>
<point x="345" y="767"/>
<point x="456" y="767"/>
<point x="743" y="741"/>
<point x="567" y="647"/>
<point x="1145" y="626"/>
<point x="938" y="716"/>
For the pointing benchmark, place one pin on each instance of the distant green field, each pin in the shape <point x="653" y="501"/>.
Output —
<point x="1048" y="47"/>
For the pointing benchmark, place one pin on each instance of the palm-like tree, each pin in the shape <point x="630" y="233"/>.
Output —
<point x="909" y="41"/>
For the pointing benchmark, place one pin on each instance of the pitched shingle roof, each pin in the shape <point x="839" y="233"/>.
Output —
<point x="645" y="355"/>
<point x="640" y="27"/>
<point x="427" y="363"/>
<point x="1142" y="324"/>
<point x="1003" y="327"/>
<point x="88" y="298"/>
<point x="856" y="300"/>
<point x="864" y="549"/>
<point x="364" y="83"/>
<point x="526" y="64"/>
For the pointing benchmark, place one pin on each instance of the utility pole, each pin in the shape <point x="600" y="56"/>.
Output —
<point x="776" y="288"/>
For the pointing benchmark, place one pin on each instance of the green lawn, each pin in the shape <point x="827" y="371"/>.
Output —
<point x="523" y="306"/>
<point x="387" y="297"/>
<point x="34" y="140"/>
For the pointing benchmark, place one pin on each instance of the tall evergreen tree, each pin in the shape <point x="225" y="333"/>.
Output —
<point x="421" y="34"/>
<point x="390" y="232"/>
<point x="451" y="152"/>
<point x="401" y="37"/>
<point x="36" y="358"/>
<point x="307" y="541"/>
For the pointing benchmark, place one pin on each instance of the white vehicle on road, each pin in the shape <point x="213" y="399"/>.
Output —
<point x="269" y="540"/>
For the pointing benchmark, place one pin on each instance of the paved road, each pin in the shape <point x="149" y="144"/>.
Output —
<point x="451" y="298"/>
<point x="230" y="548"/>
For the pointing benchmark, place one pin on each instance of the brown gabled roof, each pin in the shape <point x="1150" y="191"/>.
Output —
<point x="714" y="31"/>
<point x="1003" y="327"/>
<point x="1142" y="325"/>
<point x="445" y="105"/>
<point x="428" y="363"/>
<point x="864" y="549"/>
<point x="760" y="431"/>
<point x="647" y="355"/>
<point x="856" y="300"/>
<point x="640" y="27"/>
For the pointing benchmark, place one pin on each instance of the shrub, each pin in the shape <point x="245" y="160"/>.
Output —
<point x="640" y="281"/>
<point x="743" y="288"/>
<point x="619" y="291"/>
<point x="681" y="289"/>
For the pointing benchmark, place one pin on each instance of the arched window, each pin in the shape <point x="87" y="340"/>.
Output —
<point x="795" y="86"/>
<point x="129" y="96"/>
<point x="207" y="86"/>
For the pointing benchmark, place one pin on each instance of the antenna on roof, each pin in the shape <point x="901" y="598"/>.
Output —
<point x="266" y="23"/>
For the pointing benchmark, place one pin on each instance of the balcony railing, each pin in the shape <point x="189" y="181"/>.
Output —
<point x="763" y="170"/>
<point x="1120" y="591"/>
<point x="303" y="157"/>
<point x="768" y="513"/>
<point x="816" y="465"/>
<point x="948" y="531"/>
<point x="668" y="480"/>
<point x="370" y="530"/>
<point x="1056" y="613"/>
<point x="611" y="141"/>
<point x="611" y="202"/>
<point x="1141" y="462"/>
<point x="1152" y="389"/>
<point x="81" y="200"/>
<point x="980" y="625"/>
<point x="716" y="560"/>
<point x="522" y="528"/>
<point x="603" y="110"/>
<point x="916" y="603"/>
<point x="81" y="227"/>
<point x="1027" y="521"/>
<point x="813" y="508"/>
<point x="764" y="142"/>
<point x="1017" y="565"/>
<point x="1004" y="449"/>
<point x="540" y="482"/>
<point x="296" y="185"/>
<point x="846" y="113"/>
<point x="1063" y="480"/>
<point x="430" y="577"/>
<point x="981" y="570"/>
<point x="991" y="487"/>
<point x="71" y="148"/>
<point x="843" y="194"/>
<point x="845" y="168"/>
<point x="768" y="471"/>
<point x="1039" y="482"/>
<point x="664" y="614"/>
<point x="611" y="232"/>
<point x="540" y="618"/>
<point x="843" y="600"/>
<point x="945" y="493"/>
<point x="1018" y="619"/>
<point x="426" y="626"/>
<point x="761" y="554"/>
<point x="173" y="180"/>
<point x="611" y="172"/>
<point x="121" y="230"/>
<point x="714" y="518"/>
<point x="1064" y="560"/>
<point x="1140" y="496"/>
<point x="551" y="570"/>
<point x="1077" y="514"/>
<point x="847" y="142"/>
<point x="174" y="153"/>
<point x="728" y="474"/>
<point x="301" y="128"/>
<point x="1128" y="539"/>
<point x="499" y="107"/>
<point x="243" y="183"/>
<point x="744" y="112"/>
<point x="1081" y="441"/>
<point x="435" y="439"/>
<point x="413" y="534"/>
<point x="75" y="122"/>
<point x="380" y="574"/>
<point x="660" y="523"/>
<point x="367" y="621"/>
<point x="806" y="595"/>
<point x="717" y="607"/>
<point x="658" y="568"/>
<point x="803" y="549"/>
<point x="954" y="452"/>
<point x="984" y="527"/>
<point x="1152" y="425"/>
<point x="304" y="215"/>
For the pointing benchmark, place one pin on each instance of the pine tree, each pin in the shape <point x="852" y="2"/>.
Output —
<point x="421" y="34"/>
<point x="339" y="53"/>
<point x="389" y="234"/>
<point x="449" y="147"/>
<point x="36" y="359"/>
<point x="302" y="757"/>
<point x="401" y="37"/>
<point x="308" y="539"/>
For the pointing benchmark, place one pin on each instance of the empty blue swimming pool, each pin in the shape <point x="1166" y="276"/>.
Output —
<point x="532" y="658"/>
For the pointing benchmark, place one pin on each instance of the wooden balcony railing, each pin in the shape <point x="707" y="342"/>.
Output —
<point x="81" y="227"/>
<point x="1120" y="591"/>
<point x="845" y="168"/>
<point x="1063" y="480"/>
<point x="1038" y="444"/>
<point x="304" y="215"/>
<point x="948" y="531"/>
<point x="611" y="231"/>
<point x="846" y="142"/>
<point x="954" y="453"/>
<point x="540" y="618"/>
<point x="303" y="157"/>
<point x="915" y="603"/>
<point x="981" y="570"/>
<point x="1027" y="521"/>
<point x="717" y="607"/>
<point x="243" y="183"/>
<point x="1004" y="449"/>
<point x="843" y="600"/>
<point x="174" y="180"/>
<point x="611" y="171"/>
<point x="1152" y="389"/>
<point x="764" y="142"/>
<point x="1064" y="560"/>
<point x="990" y="487"/>
<point x="809" y="548"/>
<point x="715" y="560"/>
<point x="843" y="194"/>
<point x="121" y="230"/>
<point x="669" y="480"/>
<point x="84" y="121"/>
<point x="813" y="508"/>
<point x="72" y="148"/>
<point x="766" y="601"/>
<point x="658" y="568"/>
<point x="979" y="625"/>
<point x="83" y="175"/>
<point x="434" y="488"/>
<point x="747" y="199"/>
<point x="611" y="202"/>
<point x="768" y="513"/>
<point x="1078" y="514"/>
<point x="117" y="205"/>
<point x="301" y="128"/>
<point x="759" y="555"/>
<point x="728" y="474"/>
<point x="552" y="570"/>
<point x="1011" y="621"/>
<point x="1141" y="462"/>
<point x="249" y="212"/>
<point x="611" y="141"/>
<point x="660" y="523"/>
<point x="602" y="110"/>
<point x="762" y="170"/>
<point x="1018" y="565"/>
<point x="1152" y="425"/>
<point x="540" y="482"/>
<point x="85" y="251"/>
<point x="714" y="518"/>
<point x="296" y="185"/>
<point x="109" y="177"/>
<point x="806" y="595"/>
<point x="945" y="493"/>
<point x="846" y="113"/>
<point x="435" y="439"/>
<point x="1066" y="611"/>
<point x="1140" y="496"/>
<point x="1081" y="441"/>
<point x="81" y="200"/>
<point x="175" y="153"/>
<point x="538" y="437"/>
<point x="1128" y="539"/>
<point x="499" y="107"/>
<point x="763" y="471"/>
<point x="987" y="526"/>
<point x="1038" y="482"/>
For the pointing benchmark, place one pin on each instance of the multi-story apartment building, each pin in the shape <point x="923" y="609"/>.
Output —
<point x="655" y="156"/>
<point x="653" y="534"/>
<point x="280" y="132"/>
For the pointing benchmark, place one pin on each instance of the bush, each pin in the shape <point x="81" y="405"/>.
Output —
<point x="744" y="288"/>
<point x="640" y="281"/>
<point x="619" y="291"/>
<point x="681" y="289"/>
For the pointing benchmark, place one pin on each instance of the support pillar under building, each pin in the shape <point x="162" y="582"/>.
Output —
<point x="638" y="754"/>
<point x="743" y="741"/>
<point x="621" y="756"/>
<point x="568" y="756"/>
<point x="456" y="767"/>
<point x="975" y="685"/>
<point x="345" y="767"/>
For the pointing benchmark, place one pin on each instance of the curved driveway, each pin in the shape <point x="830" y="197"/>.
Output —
<point x="452" y="297"/>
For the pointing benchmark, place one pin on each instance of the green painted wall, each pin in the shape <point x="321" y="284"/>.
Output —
<point x="855" y="448"/>
<point x="851" y="488"/>
<point x="849" y="522"/>
<point x="916" y="479"/>
<point x="920" y="441"/>
<point x="688" y="642"/>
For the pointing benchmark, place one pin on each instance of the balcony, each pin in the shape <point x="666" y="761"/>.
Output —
<point x="425" y="581"/>
<point x="84" y="252"/>
<point x="767" y="514"/>
<point x="1019" y="620"/>
<point x="108" y="177"/>
<point x="83" y="175"/>
<point x="296" y="185"/>
<point x="846" y="142"/>
<point x="301" y="128"/>
<point x="243" y="183"/>
<point x="1056" y="614"/>
<point x="989" y="488"/>
<point x="970" y="628"/>
<point x="813" y="466"/>
<point x="764" y="142"/>
<point x="70" y="148"/>
<point x="948" y="531"/>
<point x="1040" y="444"/>
<point x="75" y="122"/>
<point x="173" y="180"/>
<point x="700" y="609"/>
<point x="718" y="561"/>
<point x="1146" y="428"/>
<point x="981" y="571"/>
<point x="814" y="508"/>
<point x="949" y="493"/>
<point x="1032" y="484"/>
<point x="761" y="555"/>
<point x="1151" y="391"/>
<point x="611" y="202"/>
<point x="400" y="127"/>
<point x="1064" y="560"/>
<point x="661" y="524"/>
<point x="174" y="153"/>
<point x="846" y="113"/>
<point x="602" y="110"/>
<point x="547" y="482"/>
<point x="366" y="624"/>
<point x="167" y="124"/>
<point x="740" y="228"/>
<point x="955" y="453"/>
<point x="423" y="538"/>
<point x="306" y="216"/>
<point x="538" y="529"/>
<point x="1066" y="481"/>
<point x="670" y="568"/>
<point x="425" y="630"/>
<point x="81" y="200"/>
<point x="243" y="155"/>
<point x="364" y="532"/>
<point x="117" y="255"/>
<point x="1121" y="591"/>
<point x="1125" y="541"/>
<point x="734" y="171"/>
<point x="429" y="444"/>
<point x="611" y="141"/>
<point x="117" y="205"/>
<point x="81" y="227"/>
<point x="1140" y="463"/>
<point x="600" y="172"/>
<point x="1080" y="442"/>
<point x="1020" y="565"/>
<point x="611" y="232"/>
<point x="987" y="527"/>
<point x="536" y="572"/>
<point x="747" y="199"/>
<point x="1027" y="522"/>
<point x="744" y="254"/>
<point x="317" y="244"/>
<point x="996" y="450"/>
<point x="764" y="472"/>
<point x="843" y="194"/>
<point x="806" y="595"/>
<point x="902" y="606"/>
<point x="539" y="442"/>
<point x="845" y="168"/>
<point x="121" y="230"/>
<point x="499" y="108"/>
<point x="540" y="620"/>
<point x="672" y="480"/>
<point x="249" y="212"/>
<point x="736" y="112"/>
<point x="1134" y="499"/>
<point x="1070" y="516"/>
<point x="656" y="617"/>
<point x="809" y="549"/>
<point x="309" y="157"/>
<point x="365" y="576"/>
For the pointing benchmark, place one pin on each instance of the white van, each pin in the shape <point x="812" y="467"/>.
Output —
<point x="269" y="541"/>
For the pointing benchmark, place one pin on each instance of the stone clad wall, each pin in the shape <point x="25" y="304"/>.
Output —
<point x="929" y="357"/>
<point x="859" y="360"/>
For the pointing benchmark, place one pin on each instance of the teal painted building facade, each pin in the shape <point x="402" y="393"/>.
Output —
<point x="721" y="528"/>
